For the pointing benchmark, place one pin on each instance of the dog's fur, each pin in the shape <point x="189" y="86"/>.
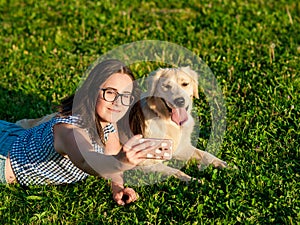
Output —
<point x="168" y="89"/>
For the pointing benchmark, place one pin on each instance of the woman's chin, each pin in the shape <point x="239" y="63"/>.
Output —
<point x="112" y="119"/>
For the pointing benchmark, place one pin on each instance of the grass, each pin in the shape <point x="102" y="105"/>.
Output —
<point x="252" y="47"/>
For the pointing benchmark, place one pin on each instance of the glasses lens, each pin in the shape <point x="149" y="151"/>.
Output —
<point x="127" y="99"/>
<point x="109" y="95"/>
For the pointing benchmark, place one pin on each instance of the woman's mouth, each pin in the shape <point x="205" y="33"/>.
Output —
<point x="114" y="110"/>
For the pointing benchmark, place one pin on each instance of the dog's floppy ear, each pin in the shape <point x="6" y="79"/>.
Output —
<point x="154" y="102"/>
<point x="153" y="81"/>
<point x="158" y="106"/>
<point x="194" y="77"/>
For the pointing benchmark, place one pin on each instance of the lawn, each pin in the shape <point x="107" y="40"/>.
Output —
<point x="253" y="50"/>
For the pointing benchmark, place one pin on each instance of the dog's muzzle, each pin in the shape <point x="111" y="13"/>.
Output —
<point x="179" y="102"/>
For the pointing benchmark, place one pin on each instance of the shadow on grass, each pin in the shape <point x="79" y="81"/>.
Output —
<point x="15" y="105"/>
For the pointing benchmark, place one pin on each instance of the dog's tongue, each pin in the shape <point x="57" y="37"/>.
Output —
<point x="179" y="116"/>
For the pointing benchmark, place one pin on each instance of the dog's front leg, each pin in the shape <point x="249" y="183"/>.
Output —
<point x="202" y="157"/>
<point x="166" y="171"/>
<point x="205" y="158"/>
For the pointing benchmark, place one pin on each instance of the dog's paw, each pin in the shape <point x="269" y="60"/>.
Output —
<point x="187" y="179"/>
<point x="218" y="163"/>
<point x="197" y="180"/>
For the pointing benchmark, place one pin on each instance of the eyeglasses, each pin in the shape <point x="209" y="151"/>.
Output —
<point x="110" y="95"/>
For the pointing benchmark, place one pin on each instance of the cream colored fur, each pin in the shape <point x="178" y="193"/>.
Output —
<point x="165" y="86"/>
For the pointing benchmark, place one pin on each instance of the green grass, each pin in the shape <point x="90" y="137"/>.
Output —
<point x="252" y="47"/>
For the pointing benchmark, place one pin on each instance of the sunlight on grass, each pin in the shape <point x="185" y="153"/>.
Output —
<point x="253" y="49"/>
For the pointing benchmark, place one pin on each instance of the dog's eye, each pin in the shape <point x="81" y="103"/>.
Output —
<point x="166" y="86"/>
<point x="184" y="84"/>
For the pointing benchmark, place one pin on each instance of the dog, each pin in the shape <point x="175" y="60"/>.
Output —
<point x="167" y="107"/>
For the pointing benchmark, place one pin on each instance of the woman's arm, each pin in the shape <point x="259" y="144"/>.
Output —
<point x="74" y="143"/>
<point x="113" y="145"/>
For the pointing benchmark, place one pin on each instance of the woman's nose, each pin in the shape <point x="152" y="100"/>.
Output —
<point x="117" y="101"/>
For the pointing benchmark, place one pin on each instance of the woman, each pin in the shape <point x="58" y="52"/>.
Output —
<point x="66" y="148"/>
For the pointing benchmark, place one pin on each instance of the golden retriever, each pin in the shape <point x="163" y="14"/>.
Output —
<point x="167" y="113"/>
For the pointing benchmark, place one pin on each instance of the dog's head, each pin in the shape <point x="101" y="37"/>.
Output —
<point x="171" y="91"/>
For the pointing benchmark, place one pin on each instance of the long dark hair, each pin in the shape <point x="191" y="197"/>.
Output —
<point x="84" y="101"/>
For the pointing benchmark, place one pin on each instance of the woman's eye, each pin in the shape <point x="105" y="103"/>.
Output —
<point x="109" y="92"/>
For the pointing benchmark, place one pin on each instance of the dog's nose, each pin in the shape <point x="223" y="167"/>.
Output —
<point x="179" y="102"/>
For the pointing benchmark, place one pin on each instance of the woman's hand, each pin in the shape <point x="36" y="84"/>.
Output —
<point x="135" y="150"/>
<point x="123" y="195"/>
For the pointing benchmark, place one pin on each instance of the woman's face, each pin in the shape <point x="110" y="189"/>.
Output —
<point x="111" y="112"/>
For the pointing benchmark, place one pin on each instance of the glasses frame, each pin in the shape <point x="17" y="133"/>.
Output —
<point x="117" y="96"/>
